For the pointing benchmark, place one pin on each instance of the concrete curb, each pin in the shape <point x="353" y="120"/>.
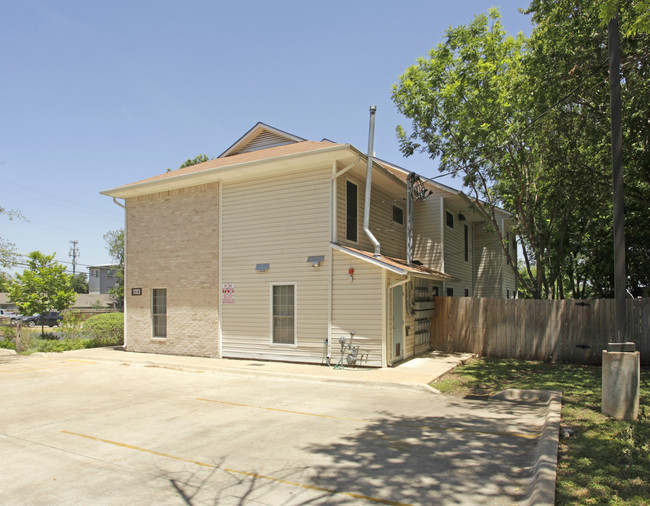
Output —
<point x="544" y="472"/>
<point x="134" y="360"/>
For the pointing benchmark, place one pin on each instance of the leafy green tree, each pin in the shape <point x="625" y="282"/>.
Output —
<point x="115" y="247"/>
<point x="79" y="282"/>
<point x="5" y="281"/>
<point x="568" y="54"/>
<point x="525" y="123"/>
<point x="466" y="111"/>
<point x="637" y="22"/>
<point x="193" y="161"/>
<point x="42" y="287"/>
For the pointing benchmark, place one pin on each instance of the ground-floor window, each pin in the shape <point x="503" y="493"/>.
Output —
<point x="284" y="313"/>
<point x="159" y="312"/>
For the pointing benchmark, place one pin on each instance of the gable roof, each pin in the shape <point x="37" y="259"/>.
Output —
<point x="261" y="136"/>
<point x="209" y="171"/>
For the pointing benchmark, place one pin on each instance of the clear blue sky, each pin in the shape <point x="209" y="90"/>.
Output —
<point x="95" y="95"/>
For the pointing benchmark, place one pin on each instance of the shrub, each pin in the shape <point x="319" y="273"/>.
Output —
<point x="8" y="333"/>
<point x="58" y="346"/>
<point x="106" y="329"/>
<point x="52" y="336"/>
<point x="71" y="325"/>
<point x="7" y="344"/>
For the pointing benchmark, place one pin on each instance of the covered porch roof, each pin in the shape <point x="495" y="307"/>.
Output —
<point x="395" y="265"/>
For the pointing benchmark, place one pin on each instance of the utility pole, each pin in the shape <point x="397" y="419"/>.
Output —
<point x="74" y="254"/>
<point x="621" y="370"/>
<point x="617" y="177"/>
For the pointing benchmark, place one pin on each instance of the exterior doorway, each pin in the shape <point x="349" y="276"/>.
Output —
<point x="398" y="323"/>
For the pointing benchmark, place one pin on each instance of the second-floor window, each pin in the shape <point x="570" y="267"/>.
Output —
<point x="466" y="243"/>
<point x="398" y="215"/>
<point x="351" y="212"/>
<point x="449" y="219"/>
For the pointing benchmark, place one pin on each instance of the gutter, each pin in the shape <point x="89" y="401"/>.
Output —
<point x="123" y="206"/>
<point x="207" y="175"/>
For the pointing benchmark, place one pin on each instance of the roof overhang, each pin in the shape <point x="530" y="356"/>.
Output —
<point x="394" y="265"/>
<point x="243" y="170"/>
<point x="343" y="153"/>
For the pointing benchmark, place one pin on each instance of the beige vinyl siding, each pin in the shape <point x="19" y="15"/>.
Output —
<point x="488" y="261"/>
<point x="427" y="233"/>
<point x="391" y="235"/>
<point x="172" y="243"/>
<point x="357" y="305"/>
<point x="279" y="221"/>
<point x="454" y="246"/>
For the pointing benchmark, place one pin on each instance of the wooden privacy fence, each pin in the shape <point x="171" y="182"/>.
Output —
<point x="574" y="331"/>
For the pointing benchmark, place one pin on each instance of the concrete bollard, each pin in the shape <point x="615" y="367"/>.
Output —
<point x="621" y="381"/>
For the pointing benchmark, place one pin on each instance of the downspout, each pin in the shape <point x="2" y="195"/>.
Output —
<point x="123" y="206"/>
<point x="366" y="207"/>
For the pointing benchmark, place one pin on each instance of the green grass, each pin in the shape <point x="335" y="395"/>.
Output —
<point x="604" y="461"/>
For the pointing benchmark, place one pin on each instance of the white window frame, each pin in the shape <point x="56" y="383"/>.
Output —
<point x="153" y="315"/>
<point x="345" y="232"/>
<point x="295" y="314"/>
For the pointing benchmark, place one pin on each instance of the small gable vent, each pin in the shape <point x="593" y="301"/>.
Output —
<point x="263" y="141"/>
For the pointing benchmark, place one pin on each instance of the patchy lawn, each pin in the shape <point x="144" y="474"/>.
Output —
<point x="600" y="461"/>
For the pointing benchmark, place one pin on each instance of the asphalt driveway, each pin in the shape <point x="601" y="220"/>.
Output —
<point x="74" y="430"/>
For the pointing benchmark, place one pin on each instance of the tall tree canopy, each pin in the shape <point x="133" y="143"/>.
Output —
<point x="525" y="123"/>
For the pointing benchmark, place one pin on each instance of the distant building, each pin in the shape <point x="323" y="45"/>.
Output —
<point x="101" y="278"/>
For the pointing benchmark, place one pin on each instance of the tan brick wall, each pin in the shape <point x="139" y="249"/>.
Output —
<point x="173" y="243"/>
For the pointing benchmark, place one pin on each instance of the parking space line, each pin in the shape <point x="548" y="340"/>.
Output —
<point x="421" y="427"/>
<point x="242" y="473"/>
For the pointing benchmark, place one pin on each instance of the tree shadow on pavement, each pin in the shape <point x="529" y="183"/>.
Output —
<point x="433" y="460"/>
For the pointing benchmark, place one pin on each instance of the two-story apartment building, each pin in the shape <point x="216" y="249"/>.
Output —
<point x="262" y="253"/>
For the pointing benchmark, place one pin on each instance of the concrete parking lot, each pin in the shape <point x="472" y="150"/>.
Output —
<point x="76" y="430"/>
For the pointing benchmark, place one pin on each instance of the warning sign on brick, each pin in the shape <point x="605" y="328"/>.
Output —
<point x="228" y="293"/>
